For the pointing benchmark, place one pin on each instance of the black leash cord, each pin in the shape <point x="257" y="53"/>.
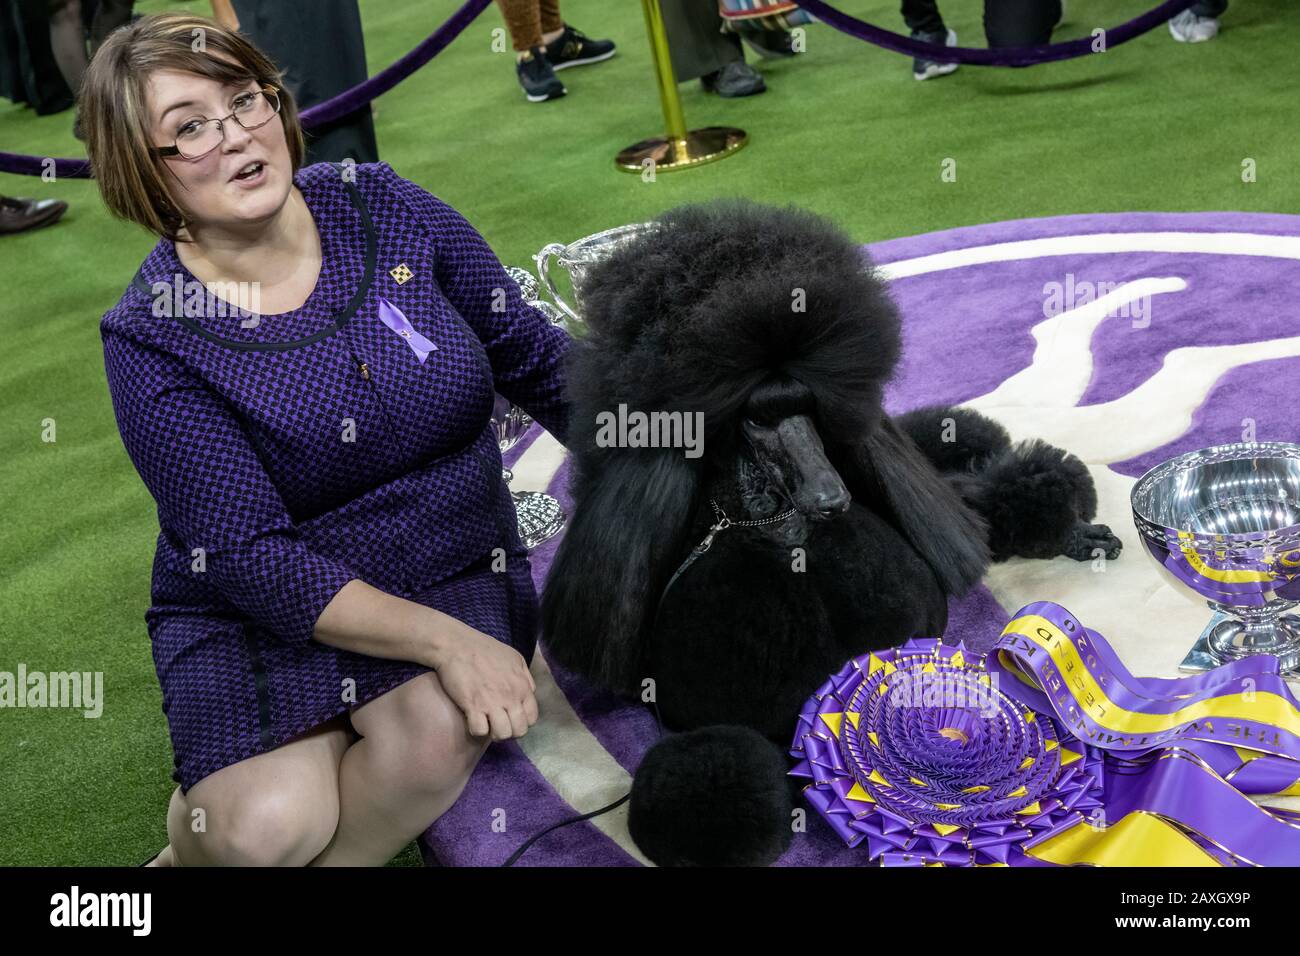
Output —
<point x="654" y="705"/>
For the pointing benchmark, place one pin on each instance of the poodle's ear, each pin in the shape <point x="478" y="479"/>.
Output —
<point x="604" y="584"/>
<point x="889" y="472"/>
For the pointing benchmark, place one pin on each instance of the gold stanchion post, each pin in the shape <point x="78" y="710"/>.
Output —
<point x="681" y="148"/>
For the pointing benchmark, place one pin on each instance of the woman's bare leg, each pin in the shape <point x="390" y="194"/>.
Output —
<point x="413" y="760"/>
<point x="279" y="808"/>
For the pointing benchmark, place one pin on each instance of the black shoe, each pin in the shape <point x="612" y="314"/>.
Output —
<point x="737" y="78"/>
<point x="18" y="215"/>
<point x="923" y="67"/>
<point x="537" y="78"/>
<point x="771" y="44"/>
<point x="574" y="48"/>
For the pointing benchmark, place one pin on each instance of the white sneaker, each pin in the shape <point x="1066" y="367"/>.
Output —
<point x="923" y="69"/>
<point x="1187" y="27"/>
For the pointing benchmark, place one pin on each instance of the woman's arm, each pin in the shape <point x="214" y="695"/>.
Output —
<point x="488" y="680"/>
<point x="214" y="495"/>
<point x="526" y="349"/>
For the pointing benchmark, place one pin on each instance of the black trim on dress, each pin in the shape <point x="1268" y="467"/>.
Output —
<point x="263" y="691"/>
<point x="340" y="318"/>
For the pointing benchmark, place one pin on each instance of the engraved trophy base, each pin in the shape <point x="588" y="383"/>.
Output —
<point x="1226" y="638"/>
<point x="540" y="517"/>
<point x="698" y="147"/>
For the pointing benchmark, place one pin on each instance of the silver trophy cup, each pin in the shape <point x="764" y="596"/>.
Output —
<point x="539" y="514"/>
<point x="1223" y="526"/>
<point x="576" y="258"/>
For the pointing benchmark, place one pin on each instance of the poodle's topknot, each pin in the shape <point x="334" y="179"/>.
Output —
<point x="719" y="296"/>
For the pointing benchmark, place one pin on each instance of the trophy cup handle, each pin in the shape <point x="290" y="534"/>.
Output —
<point x="543" y="260"/>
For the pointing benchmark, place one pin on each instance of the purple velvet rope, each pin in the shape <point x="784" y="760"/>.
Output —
<point x="1000" y="56"/>
<point x="346" y="102"/>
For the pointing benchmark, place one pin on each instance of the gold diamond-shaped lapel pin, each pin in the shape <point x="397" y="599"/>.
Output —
<point x="400" y="273"/>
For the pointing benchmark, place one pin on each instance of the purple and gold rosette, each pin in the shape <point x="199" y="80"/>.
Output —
<point x="915" y="752"/>
<point x="1051" y="753"/>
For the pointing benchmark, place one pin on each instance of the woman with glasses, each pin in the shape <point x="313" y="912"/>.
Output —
<point x="303" y="373"/>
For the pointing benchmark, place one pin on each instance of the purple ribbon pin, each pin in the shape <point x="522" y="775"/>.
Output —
<point x="395" y="319"/>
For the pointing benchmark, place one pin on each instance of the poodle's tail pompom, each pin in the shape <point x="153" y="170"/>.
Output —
<point x="715" y="796"/>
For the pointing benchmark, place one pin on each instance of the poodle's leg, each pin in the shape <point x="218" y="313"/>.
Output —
<point x="1039" y="502"/>
<point x="954" y="439"/>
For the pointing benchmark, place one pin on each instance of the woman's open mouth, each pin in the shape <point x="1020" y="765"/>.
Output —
<point x="251" y="175"/>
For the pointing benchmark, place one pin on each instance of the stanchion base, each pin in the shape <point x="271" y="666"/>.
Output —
<point x="700" y="146"/>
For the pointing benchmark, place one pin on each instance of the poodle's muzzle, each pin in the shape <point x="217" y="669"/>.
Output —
<point x="791" y="453"/>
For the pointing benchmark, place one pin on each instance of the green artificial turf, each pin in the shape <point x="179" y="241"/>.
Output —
<point x="843" y="130"/>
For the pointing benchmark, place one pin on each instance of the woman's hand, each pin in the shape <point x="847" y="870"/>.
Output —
<point x="488" y="680"/>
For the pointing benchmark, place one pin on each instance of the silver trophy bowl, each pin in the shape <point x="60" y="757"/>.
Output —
<point x="1223" y="526"/>
<point x="539" y="515"/>
<point x="576" y="258"/>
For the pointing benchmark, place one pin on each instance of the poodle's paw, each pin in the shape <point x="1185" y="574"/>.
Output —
<point x="1086" y="540"/>
<point x="716" y="796"/>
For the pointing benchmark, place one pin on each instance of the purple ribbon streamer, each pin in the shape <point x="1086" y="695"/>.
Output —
<point x="1141" y="695"/>
<point x="1182" y="774"/>
<point x="395" y="319"/>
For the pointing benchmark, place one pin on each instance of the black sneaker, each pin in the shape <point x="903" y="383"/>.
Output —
<point x="737" y="78"/>
<point x="537" y="78"/>
<point x="923" y="67"/>
<point x="574" y="48"/>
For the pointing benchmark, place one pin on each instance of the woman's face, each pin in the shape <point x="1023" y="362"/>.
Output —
<point x="216" y="189"/>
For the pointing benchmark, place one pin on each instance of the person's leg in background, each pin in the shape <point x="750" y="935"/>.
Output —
<point x="68" y="41"/>
<point x="926" y="23"/>
<point x="109" y="15"/>
<point x="1020" y="22"/>
<point x="544" y="43"/>
<point x="1198" y="23"/>
<point x="321" y="49"/>
<point x="700" y="50"/>
<point x="536" y="76"/>
<point x="567" y="46"/>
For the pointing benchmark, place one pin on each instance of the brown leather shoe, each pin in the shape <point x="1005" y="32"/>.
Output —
<point x="18" y="215"/>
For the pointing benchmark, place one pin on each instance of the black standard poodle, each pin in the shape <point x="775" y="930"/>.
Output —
<point x="726" y="585"/>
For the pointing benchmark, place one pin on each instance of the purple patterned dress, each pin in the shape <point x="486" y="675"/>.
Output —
<point x="290" y="455"/>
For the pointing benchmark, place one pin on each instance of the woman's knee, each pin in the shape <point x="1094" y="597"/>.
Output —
<point x="269" y="827"/>
<point x="425" y="733"/>
<point x="280" y="808"/>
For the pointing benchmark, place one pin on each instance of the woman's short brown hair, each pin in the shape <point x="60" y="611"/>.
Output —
<point x="115" y="117"/>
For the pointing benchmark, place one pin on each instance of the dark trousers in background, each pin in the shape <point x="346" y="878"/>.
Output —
<point x="695" y="39"/>
<point x="319" y="46"/>
<point x="1006" y="22"/>
<point x="28" y="71"/>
